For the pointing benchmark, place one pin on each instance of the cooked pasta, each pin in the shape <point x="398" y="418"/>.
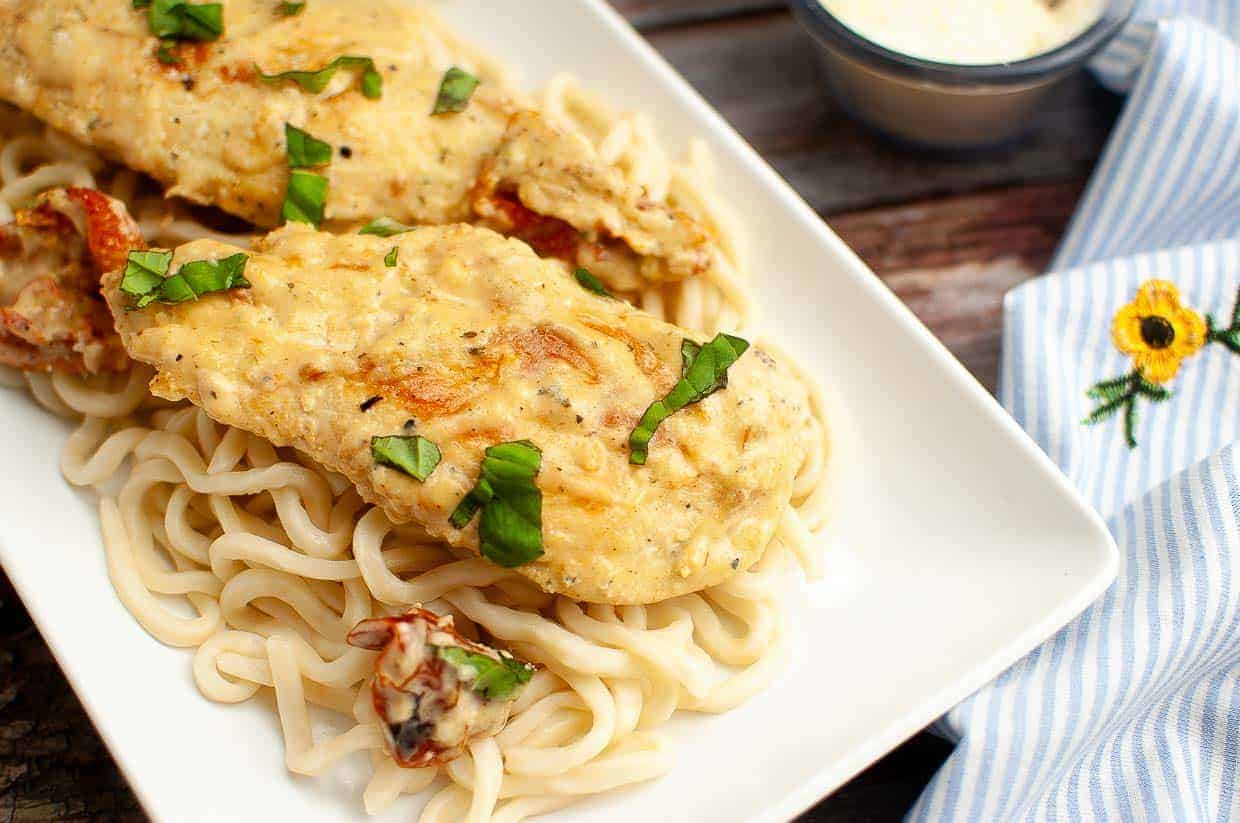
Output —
<point x="262" y="561"/>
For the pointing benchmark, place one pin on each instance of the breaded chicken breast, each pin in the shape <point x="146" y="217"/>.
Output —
<point x="200" y="118"/>
<point x="51" y="258"/>
<point x="460" y="340"/>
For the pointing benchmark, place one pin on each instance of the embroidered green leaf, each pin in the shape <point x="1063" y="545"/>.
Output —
<point x="704" y="370"/>
<point x="291" y="9"/>
<point x="1111" y="389"/>
<point x="493" y="679"/>
<point x="304" y="150"/>
<point x="1105" y="411"/>
<point x="305" y="198"/>
<point x="1152" y="391"/>
<point x="181" y="20"/>
<point x="1122" y="393"/>
<point x="415" y="456"/>
<point x="1231" y="340"/>
<point x="384" y="227"/>
<point x="315" y="81"/>
<point x="1229" y="337"/>
<point x="591" y="283"/>
<point x="143" y="280"/>
<point x="510" y="529"/>
<point x="389" y="259"/>
<point x="455" y="90"/>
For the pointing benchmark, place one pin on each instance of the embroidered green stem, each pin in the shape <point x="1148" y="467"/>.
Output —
<point x="1230" y="336"/>
<point x="1123" y="393"/>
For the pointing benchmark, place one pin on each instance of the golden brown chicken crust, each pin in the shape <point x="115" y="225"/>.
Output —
<point x="471" y="340"/>
<point x="614" y="230"/>
<point x="212" y="130"/>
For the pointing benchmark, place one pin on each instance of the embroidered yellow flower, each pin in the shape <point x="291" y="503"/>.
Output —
<point x="1157" y="331"/>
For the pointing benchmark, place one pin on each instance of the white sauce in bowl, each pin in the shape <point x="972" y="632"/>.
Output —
<point x="967" y="32"/>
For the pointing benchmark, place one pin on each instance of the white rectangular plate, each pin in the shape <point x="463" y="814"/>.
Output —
<point x="960" y="548"/>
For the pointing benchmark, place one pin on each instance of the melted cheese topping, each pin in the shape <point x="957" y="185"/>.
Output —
<point x="472" y="340"/>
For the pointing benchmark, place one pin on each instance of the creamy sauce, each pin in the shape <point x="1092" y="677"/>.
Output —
<point x="967" y="32"/>
<point x="474" y="340"/>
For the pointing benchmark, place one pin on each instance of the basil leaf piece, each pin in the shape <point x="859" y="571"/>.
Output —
<point x="144" y="277"/>
<point x="415" y="456"/>
<point x="315" y="81"/>
<point x="384" y="227"/>
<point x="493" y="679"/>
<point x="389" y="259"/>
<point x="305" y="198"/>
<point x="291" y="9"/>
<point x="181" y="20"/>
<point x="455" y="90"/>
<point x="465" y="510"/>
<point x="304" y="150"/>
<point x="704" y="370"/>
<point x="164" y="54"/>
<point x="141" y="4"/>
<point x="591" y="283"/>
<point x="510" y="530"/>
<point x="688" y="353"/>
<point x="144" y="271"/>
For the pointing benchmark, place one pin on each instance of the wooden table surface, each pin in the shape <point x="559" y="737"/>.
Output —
<point x="948" y="234"/>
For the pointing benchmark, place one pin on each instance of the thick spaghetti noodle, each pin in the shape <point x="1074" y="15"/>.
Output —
<point x="262" y="561"/>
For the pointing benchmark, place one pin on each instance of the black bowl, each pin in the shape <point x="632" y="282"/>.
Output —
<point x="945" y="105"/>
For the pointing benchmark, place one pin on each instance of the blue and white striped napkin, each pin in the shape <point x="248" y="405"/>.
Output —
<point x="1132" y="712"/>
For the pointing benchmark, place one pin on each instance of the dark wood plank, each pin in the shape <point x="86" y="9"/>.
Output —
<point x="886" y="790"/>
<point x="952" y="260"/>
<point x="53" y="766"/>
<point x="761" y="73"/>
<point x="1026" y="222"/>
<point x="648" y="15"/>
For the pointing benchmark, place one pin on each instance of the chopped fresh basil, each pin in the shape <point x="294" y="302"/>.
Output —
<point x="141" y="4"/>
<point x="493" y="679"/>
<point x="181" y="20"/>
<point x="291" y="9"/>
<point x="415" y="456"/>
<point x="389" y="259"/>
<point x="305" y="197"/>
<point x="384" y="227"/>
<point x="455" y="90"/>
<point x="306" y="194"/>
<point x="145" y="271"/>
<point x="315" y="81"/>
<point x="166" y="55"/>
<point x="704" y="370"/>
<point x="510" y="531"/>
<point x="304" y="150"/>
<point x="591" y="283"/>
